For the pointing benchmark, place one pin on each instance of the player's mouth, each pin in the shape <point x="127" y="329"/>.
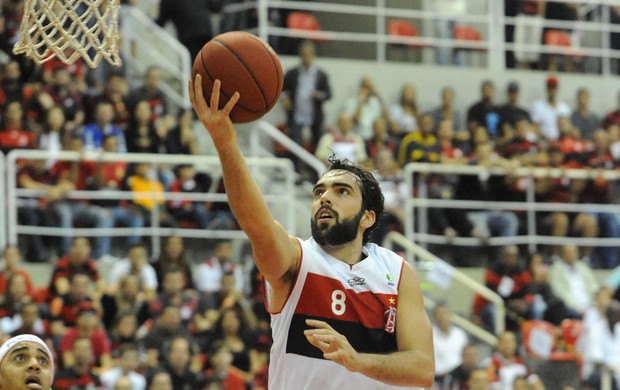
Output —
<point x="325" y="214"/>
<point x="33" y="382"/>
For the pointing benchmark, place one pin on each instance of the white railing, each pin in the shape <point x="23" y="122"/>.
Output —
<point x="417" y="208"/>
<point x="146" y="44"/>
<point x="486" y="16"/>
<point x="209" y="164"/>
<point x="430" y="266"/>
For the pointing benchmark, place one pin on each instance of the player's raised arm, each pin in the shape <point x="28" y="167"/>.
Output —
<point x="275" y="252"/>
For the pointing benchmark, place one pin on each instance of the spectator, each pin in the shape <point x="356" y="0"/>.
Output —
<point x="612" y="117"/>
<point x="446" y="110"/>
<point x="61" y="91"/>
<point x="148" y="194"/>
<point x="236" y="335"/>
<point x="458" y="378"/>
<point x="573" y="281"/>
<point x="32" y="322"/>
<point x="160" y="381"/>
<point x="11" y="86"/>
<point x="528" y="28"/>
<point x="545" y="305"/>
<point x="11" y="265"/>
<point x="478" y="380"/>
<point x="565" y="13"/>
<point x="181" y="139"/>
<point x="404" y="114"/>
<point x="128" y="367"/>
<point x="157" y="341"/>
<point x="421" y="145"/>
<point x="173" y="256"/>
<point x="381" y="139"/>
<point x="142" y="134"/>
<point x="485" y="113"/>
<point x="504" y="365"/>
<point x="562" y="190"/>
<point x="76" y="261"/>
<point x="583" y="118"/>
<point x="111" y="176"/>
<point x="53" y="132"/>
<point x="209" y="273"/>
<point x="597" y="342"/>
<point x="80" y="373"/>
<point x="126" y="299"/>
<point x="450" y="151"/>
<point x="448" y="341"/>
<point x="197" y="213"/>
<point x="11" y="304"/>
<point x="511" y="113"/>
<point x="13" y="131"/>
<point x="509" y="278"/>
<point x="150" y="90"/>
<point x="365" y="107"/>
<point x="342" y="142"/>
<point x="93" y="133"/>
<point x="546" y="112"/>
<point x="306" y="88"/>
<point x="523" y="146"/>
<point x="222" y="370"/>
<point x="180" y="365"/>
<point x="64" y="309"/>
<point x="136" y="263"/>
<point x="87" y="326"/>
<point x="115" y="90"/>
<point x="191" y="20"/>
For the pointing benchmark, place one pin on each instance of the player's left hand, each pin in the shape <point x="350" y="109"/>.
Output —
<point x="334" y="346"/>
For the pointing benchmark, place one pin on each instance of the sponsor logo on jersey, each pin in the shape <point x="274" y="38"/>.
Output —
<point x="356" y="281"/>
<point x="390" y="279"/>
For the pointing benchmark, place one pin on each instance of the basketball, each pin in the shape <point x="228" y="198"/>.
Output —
<point x="244" y="63"/>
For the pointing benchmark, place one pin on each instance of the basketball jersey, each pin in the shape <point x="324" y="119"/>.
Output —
<point x="359" y="301"/>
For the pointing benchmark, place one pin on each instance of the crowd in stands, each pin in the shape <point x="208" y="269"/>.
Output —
<point x="156" y="323"/>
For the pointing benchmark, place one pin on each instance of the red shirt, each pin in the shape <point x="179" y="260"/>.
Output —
<point x="233" y="381"/>
<point x="64" y="269"/>
<point x="17" y="138"/>
<point x="98" y="338"/>
<point x="23" y="273"/>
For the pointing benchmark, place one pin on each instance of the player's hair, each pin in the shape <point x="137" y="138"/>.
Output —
<point x="372" y="196"/>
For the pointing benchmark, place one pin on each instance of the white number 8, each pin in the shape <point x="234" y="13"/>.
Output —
<point x="338" y="305"/>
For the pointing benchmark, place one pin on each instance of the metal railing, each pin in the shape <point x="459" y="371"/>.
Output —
<point x="146" y="44"/>
<point x="208" y="164"/>
<point x="426" y="263"/>
<point x="591" y="38"/>
<point x="417" y="207"/>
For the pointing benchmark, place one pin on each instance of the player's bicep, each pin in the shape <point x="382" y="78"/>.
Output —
<point x="276" y="255"/>
<point x="413" y="327"/>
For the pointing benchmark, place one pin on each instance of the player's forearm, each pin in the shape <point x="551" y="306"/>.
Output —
<point x="403" y="368"/>
<point x="244" y="196"/>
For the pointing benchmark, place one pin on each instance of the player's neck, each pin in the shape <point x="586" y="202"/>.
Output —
<point x="350" y="253"/>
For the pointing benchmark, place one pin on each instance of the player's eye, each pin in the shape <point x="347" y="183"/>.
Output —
<point x="343" y="191"/>
<point x="20" y="357"/>
<point x="43" y="361"/>
<point x="318" y="193"/>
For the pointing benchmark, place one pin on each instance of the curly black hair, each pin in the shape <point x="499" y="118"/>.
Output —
<point x="372" y="196"/>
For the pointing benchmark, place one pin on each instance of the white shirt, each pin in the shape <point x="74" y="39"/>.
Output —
<point x="147" y="275"/>
<point x="546" y="116"/>
<point x="448" y="349"/>
<point x="109" y="378"/>
<point x="352" y="147"/>
<point x="406" y="122"/>
<point x="208" y="275"/>
<point x="304" y="107"/>
<point x="370" y="111"/>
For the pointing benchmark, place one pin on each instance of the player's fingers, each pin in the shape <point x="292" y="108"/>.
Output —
<point x="215" y="96"/>
<point x="231" y="104"/>
<point x="197" y="97"/>
<point x="318" y="324"/>
<point x="190" y="89"/>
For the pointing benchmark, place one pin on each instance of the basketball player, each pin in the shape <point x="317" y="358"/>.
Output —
<point x="26" y="363"/>
<point x="344" y="314"/>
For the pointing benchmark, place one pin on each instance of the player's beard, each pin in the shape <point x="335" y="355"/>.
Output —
<point x="341" y="232"/>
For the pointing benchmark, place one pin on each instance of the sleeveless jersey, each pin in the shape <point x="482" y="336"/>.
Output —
<point x="358" y="301"/>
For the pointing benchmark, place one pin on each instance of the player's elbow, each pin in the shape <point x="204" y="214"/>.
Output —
<point x="424" y="374"/>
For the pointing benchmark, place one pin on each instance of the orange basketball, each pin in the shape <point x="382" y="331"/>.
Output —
<point x="244" y="63"/>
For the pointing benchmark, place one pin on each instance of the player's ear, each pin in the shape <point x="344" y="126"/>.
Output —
<point x="368" y="219"/>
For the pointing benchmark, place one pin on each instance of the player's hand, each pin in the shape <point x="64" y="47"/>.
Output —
<point x="334" y="346"/>
<point x="216" y="121"/>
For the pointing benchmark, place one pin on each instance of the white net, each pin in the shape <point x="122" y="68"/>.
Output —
<point x="70" y="29"/>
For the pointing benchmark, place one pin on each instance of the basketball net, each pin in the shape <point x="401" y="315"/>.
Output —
<point x="69" y="30"/>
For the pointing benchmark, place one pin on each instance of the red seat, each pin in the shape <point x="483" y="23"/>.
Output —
<point x="557" y="38"/>
<point x="304" y="21"/>
<point x="403" y="28"/>
<point x="463" y="32"/>
<point x="538" y="338"/>
<point x="571" y="332"/>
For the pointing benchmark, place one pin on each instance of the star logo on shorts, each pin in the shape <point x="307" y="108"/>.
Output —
<point x="392" y="301"/>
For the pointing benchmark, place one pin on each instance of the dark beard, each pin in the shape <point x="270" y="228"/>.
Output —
<point x="340" y="233"/>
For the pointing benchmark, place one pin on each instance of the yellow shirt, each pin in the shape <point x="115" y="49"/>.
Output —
<point x="141" y="187"/>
